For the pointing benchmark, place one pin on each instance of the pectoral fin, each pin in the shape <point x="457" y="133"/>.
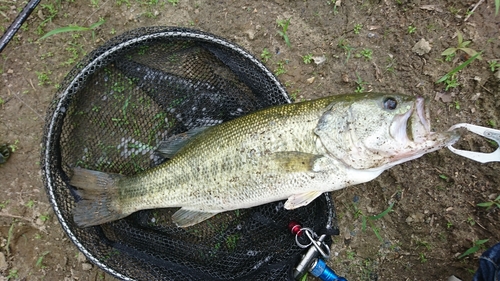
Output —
<point x="295" y="161"/>
<point x="302" y="199"/>
<point x="185" y="217"/>
<point x="168" y="148"/>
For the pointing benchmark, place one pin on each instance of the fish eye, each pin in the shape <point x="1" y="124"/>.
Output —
<point x="390" y="103"/>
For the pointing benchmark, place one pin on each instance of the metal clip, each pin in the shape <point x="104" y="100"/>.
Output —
<point x="316" y="246"/>
<point x="489" y="133"/>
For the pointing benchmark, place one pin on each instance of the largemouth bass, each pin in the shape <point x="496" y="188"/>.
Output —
<point x="293" y="151"/>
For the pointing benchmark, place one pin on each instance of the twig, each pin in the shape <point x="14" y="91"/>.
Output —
<point x="41" y="118"/>
<point x="473" y="9"/>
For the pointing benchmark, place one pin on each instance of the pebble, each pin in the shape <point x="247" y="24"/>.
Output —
<point x="422" y="47"/>
<point x="86" y="266"/>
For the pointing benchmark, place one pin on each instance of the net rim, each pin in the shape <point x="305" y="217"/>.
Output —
<point x="65" y="95"/>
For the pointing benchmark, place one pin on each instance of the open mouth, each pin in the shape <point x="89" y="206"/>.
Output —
<point x="413" y="125"/>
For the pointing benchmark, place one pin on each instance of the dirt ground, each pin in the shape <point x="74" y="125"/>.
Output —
<point x="367" y="46"/>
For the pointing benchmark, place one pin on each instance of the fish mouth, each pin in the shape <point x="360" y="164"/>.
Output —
<point x="414" y="125"/>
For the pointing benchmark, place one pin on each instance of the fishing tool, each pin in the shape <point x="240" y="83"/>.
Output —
<point x="488" y="133"/>
<point x="313" y="260"/>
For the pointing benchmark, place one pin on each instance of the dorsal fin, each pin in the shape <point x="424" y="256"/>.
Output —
<point x="168" y="148"/>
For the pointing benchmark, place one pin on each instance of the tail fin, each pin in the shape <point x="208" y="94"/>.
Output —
<point x="99" y="197"/>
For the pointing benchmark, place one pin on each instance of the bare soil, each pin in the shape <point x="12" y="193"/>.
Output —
<point x="435" y="216"/>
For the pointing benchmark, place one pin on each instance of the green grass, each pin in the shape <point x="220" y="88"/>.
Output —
<point x="284" y="28"/>
<point x="360" y="84"/>
<point x="73" y="28"/>
<point x="369" y="220"/>
<point x="450" y="75"/>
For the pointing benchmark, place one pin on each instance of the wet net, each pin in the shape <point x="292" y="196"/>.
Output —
<point x="109" y="115"/>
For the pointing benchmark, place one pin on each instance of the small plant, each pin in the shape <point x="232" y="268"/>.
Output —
<point x="492" y="123"/>
<point x="13" y="147"/>
<point x="12" y="274"/>
<point x="39" y="262"/>
<point x="344" y="45"/>
<point x="367" y="54"/>
<point x="357" y="28"/>
<point x="450" y="76"/>
<point x="173" y="2"/>
<point x="370" y="219"/>
<point x="463" y="46"/>
<point x="284" y="28"/>
<point x="360" y="88"/>
<point x="391" y="63"/>
<point x="451" y="82"/>
<point x="490" y="204"/>
<point x="30" y="204"/>
<point x="281" y="68"/>
<point x="307" y="59"/>
<point x="350" y="254"/>
<point x="9" y="239"/>
<point x="44" y="217"/>
<point x="1" y="101"/>
<point x="449" y="224"/>
<point x="422" y="258"/>
<point x="265" y="55"/>
<point x="43" y="78"/>
<point x="477" y="245"/>
<point x="411" y="29"/>
<point x="494" y="65"/>
<point x="471" y="221"/>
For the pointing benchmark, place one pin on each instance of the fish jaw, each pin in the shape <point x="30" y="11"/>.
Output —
<point x="412" y="131"/>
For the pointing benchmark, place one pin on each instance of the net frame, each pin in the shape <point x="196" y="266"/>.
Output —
<point x="56" y="181"/>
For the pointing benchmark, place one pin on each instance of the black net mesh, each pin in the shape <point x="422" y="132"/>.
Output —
<point x="109" y="115"/>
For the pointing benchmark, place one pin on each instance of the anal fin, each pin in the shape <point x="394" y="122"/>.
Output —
<point x="186" y="217"/>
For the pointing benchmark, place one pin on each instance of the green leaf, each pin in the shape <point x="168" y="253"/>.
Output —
<point x="471" y="52"/>
<point x="99" y="23"/>
<point x="475" y="248"/>
<point x="485" y="204"/>
<point x="497" y="6"/>
<point x="448" y="51"/>
<point x="460" y="38"/>
<point x="464" y="44"/>
<point x="64" y="29"/>
<point x="382" y="214"/>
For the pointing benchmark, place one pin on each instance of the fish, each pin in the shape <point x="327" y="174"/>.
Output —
<point x="294" y="151"/>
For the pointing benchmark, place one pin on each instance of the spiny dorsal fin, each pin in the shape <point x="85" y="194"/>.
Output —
<point x="168" y="148"/>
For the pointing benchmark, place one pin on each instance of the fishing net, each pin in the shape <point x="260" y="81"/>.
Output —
<point x="109" y="115"/>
